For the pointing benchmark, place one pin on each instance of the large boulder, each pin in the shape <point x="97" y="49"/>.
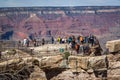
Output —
<point x="44" y="62"/>
<point x="78" y="62"/>
<point x="37" y="74"/>
<point x="48" y="62"/>
<point x="85" y="63"/>
<point x="113" y="58"/>
<point x="114" y="68"/>
<point x="114" y="71"/>
<point x="65" y="75"/>
<point x="98" y="62"/>
<point x="69" y="75"/>
<point x="7" y="65"/>
<point x="113" y="46"/>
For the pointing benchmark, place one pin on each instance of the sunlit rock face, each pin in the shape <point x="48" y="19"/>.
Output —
<point x="21" y="65"/>
<point x="36" y="22"/>
<point x="113" y="46"/>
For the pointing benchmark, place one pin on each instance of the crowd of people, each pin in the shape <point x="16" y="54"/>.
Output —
<point x="81" y="44"/>
<point x="28" y="42"/>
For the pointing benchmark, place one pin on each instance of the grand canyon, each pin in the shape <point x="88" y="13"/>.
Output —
<point x="59" y="61"/>
<point x="17" y="23"/>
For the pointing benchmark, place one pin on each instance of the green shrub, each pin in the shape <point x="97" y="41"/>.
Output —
<point x="66" y="55"/>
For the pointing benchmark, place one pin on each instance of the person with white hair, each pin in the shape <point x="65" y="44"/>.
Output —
<point x="24" y="42"/>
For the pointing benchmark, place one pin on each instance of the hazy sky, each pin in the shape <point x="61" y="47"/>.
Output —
<point x="29" y="3"/>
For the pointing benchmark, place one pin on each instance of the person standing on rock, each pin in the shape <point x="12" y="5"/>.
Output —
<point x="96" y="48"/>
<point x="27" y="43"/>
<point x="24" y="42"/>
<point x="73" y="42"/>
<point x="77" y="48"/>
<point x="69" y="39"/>
<point x="59" y="40"/>
<point x="19" y="44"/>
<point x="91" y="39"/>
<point x="81" y="48"/>
<point x="52" y="40"/>
<point x="43" y="41"/>
<point x="34" y="42"/>
<point x="78" y="39"/>
<point x="86" y="40"/>
<point x="81" y="39"/>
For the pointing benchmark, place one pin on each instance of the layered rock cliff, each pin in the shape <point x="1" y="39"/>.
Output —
<point x="22" y="22"/>
<point x="19" y="65"/>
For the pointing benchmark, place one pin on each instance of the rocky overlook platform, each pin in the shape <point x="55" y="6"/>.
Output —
<point x="20" y="65"/>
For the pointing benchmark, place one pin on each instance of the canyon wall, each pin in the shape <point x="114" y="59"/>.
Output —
<point x="35" y="22"/>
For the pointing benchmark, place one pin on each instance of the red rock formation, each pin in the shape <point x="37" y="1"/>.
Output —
<point x="62" y="22"/>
